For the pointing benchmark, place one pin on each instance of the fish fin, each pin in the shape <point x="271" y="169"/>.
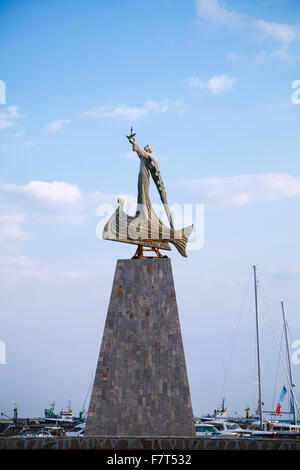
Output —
<point x="181" y="242"/>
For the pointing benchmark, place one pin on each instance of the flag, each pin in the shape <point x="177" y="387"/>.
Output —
<point x="282" y="395"/>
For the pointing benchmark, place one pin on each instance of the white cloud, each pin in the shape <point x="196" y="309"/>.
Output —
<point x="281" y="32"/>
<point x="16" y="135"/>
<point x="19" y="267"/>
<point x="195" y="82"/>
<point x="179" y="108"/>
<point x="57" y="192"/>
<point x="57" y="125"/>
<point x="286" y="274"/>
<point x="65" y="205"/>
<point x="234" y="56"/>
<point x="220" y="84"/>
<point x="93" y="200"/>
<point x="217" y="14"/>
<point x="125" y="112"/>
<point x="79" y="214"/>
<point x="52" y="203"/>
<point x="244" y="189"/>
<point x="215" y="85"/>
<point x="8" y="116"/>
<point x="10" y="224"/>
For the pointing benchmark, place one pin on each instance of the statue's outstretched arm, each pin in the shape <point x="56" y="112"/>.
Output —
<point x="136" y="148"/>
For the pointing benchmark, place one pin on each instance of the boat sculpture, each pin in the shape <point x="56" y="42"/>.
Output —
<point x="145" y="228"/>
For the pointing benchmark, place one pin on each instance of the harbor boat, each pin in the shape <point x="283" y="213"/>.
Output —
<point x="38" y="427"/>
<point x="46" y="431"/>
<point x="287" y="368"/>
<point x="51" y="421"/>
<point x="206" y="430"/>
<point x="76" y="431"/>
<point x="64" y="418"/>
<point x="220" y="413"/>
<point x="227" y="428"/>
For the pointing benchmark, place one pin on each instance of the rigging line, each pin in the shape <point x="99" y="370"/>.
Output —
<point x="227" y="356"/>
<point x="231" y="347"/>
<point x="277" y="370"/>
<point x="289" y="332"/>
<point x="214" y="394"/>
<point x="90" y="386"/>
<point x="278" y="347"/>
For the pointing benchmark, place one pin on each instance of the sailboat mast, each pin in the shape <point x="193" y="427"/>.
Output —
<point x="289" y="360"/>
<point x="258" y="350"/>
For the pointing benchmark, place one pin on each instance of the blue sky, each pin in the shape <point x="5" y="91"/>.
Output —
<point x="208" y="84"/>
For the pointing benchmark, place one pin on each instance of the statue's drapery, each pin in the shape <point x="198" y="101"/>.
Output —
<point x="149" y="164"/>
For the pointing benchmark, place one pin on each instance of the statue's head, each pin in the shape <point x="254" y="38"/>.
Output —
<point x="148" y="149"/>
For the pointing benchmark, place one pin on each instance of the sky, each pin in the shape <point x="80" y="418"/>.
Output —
<point x="209" y="85"/>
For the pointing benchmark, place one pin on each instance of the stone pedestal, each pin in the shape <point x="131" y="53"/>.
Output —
<point x="141" y="386"/>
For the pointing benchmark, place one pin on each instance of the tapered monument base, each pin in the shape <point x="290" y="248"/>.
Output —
<point x="141" y="386"/>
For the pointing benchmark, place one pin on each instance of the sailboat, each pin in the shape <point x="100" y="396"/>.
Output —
<point x="275" y="426"/>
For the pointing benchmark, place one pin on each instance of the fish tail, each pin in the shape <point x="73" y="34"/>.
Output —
<point x="181" y="239"/>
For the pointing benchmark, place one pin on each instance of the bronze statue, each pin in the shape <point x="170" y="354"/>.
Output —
<point x="145" y="229"/>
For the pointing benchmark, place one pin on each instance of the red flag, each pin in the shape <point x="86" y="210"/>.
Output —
<point x="278" y="409"/>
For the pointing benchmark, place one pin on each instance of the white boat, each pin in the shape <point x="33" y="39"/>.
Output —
<point x="76" y="431"/>
<point x="227" y="428"/>
<point x="47" y="431"/>
<point x="206" y="430"/>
